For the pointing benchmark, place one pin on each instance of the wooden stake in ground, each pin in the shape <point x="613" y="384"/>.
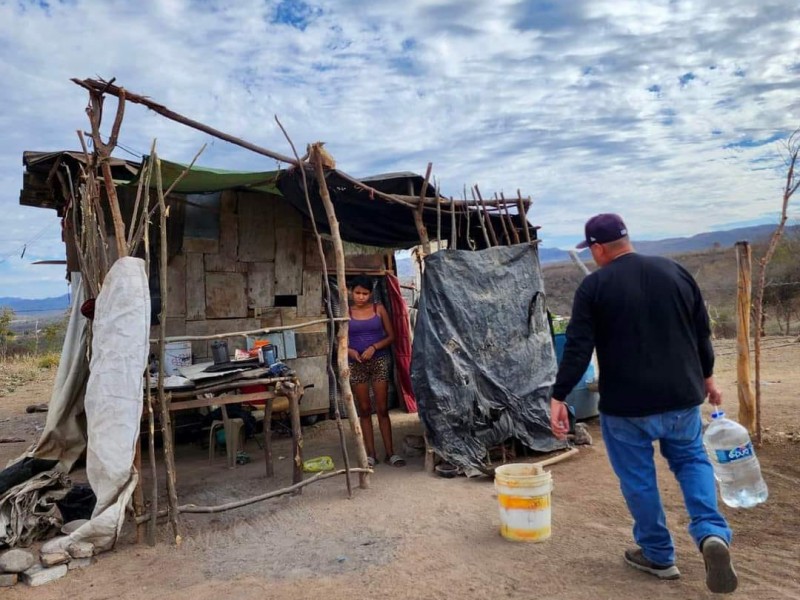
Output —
<point x="747" y="402"/>
<point x="164" y="399"/>
<point x="421" y="229"/>
<point x="331" y="321"/>
<point x="344" y="367"/>
<point x="790" y="187"/>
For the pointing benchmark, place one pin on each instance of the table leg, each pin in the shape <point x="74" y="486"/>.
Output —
<point x="268" y="438"/>
<point x="294" y="393"/>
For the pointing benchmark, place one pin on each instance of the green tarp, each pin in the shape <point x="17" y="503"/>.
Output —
<point x="201" y="180"/>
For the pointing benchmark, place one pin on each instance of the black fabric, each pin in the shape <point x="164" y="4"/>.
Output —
<point x="23" y="471"/>
<point x="373" y="221"/>
<point x="483" y="359"/>
<point x="647" y="319"/>
<point x="79" y="503"/>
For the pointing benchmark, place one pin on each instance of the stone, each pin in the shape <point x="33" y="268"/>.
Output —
<point x="81" y="549"/>
<point x="80" y="563"/>
<point x="52" y="559"/>
<point x="57" y="544"/>
<point x="16" y="561"/>
<point x="8" y="579"/>
<point x="38" y="575"/>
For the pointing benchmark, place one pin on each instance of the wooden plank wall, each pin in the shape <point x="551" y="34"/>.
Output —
<point x="230" y="283"/>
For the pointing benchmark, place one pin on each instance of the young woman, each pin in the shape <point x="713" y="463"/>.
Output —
<point x="371" y="334"/>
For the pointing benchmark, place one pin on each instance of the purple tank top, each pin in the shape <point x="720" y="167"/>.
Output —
<point x="366" y="332"/>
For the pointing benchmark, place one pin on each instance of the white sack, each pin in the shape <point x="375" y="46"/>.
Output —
<point x="113" y="402"/>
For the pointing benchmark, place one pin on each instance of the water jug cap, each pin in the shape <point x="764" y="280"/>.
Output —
<point x="717" y="414"/>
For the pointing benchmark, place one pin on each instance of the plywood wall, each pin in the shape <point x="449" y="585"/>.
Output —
<point x="230" y="284"/>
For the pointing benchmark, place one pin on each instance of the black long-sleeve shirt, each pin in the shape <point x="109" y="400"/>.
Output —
<point x="646" y="318"/>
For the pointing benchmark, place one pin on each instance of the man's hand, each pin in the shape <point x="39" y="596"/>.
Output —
<point x="559" y="418"/>
<point x="713" y="392"/>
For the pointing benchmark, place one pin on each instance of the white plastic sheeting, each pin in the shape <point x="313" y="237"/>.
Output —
<point x="113" y="400"/>
<point x="64" y="435"/>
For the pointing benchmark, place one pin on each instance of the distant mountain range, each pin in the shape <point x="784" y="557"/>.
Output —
<point x="679" y="245"/>
<point x="26" y="306"/>
<point x="695" y="243"/>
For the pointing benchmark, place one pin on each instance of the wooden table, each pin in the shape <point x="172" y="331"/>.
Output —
<point x="221" y="393"/>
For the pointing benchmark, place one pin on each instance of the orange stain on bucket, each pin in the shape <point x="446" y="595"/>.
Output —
<point x="523" y="498"/>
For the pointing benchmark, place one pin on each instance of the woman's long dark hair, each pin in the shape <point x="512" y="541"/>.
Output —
<point x="362" y="281"/>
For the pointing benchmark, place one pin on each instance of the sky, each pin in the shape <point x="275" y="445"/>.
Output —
<point x="671" y="112"/>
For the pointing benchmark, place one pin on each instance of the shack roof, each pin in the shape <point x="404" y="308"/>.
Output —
<point x="364" y="217"/>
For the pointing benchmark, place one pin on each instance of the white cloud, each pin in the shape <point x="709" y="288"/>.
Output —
<point x="588" y="106"/>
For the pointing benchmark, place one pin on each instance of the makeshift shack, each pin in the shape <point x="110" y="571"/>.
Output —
<point x="236" y="251"/>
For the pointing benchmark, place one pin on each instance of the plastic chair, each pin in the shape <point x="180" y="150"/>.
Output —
<point x="234" y="434"/>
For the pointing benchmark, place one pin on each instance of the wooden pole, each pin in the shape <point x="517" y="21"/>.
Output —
<point x="438" y="220"/>
<point x="103" y="153"/>
<point x="165" y="399"/>
<point x="94" y="85"/>
<point x="331" y="320"/>
<point x="423" y="232"/>
<point x="193" y="508"/>
<point x="453" y="227"/>
<point x="506" y="233"/>
<point x="479" y="215"/>
<point x="293" y="391"/>
<point x="488" y="220"/>
<point x="344" y="366"/>
<point x="511" y="225"/>
<point x="747" y="404"/>
<point x="523" y="218"/>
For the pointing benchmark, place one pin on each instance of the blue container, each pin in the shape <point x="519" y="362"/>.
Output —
<point x="581" y="398"/>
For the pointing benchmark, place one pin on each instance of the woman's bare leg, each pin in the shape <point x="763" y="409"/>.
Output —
<point x="361" y="392"/>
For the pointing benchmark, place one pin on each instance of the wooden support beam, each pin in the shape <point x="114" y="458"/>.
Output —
<point x="747" y="402"/>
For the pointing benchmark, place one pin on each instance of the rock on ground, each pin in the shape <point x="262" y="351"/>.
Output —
<point x="8" y="579"/>
<point x="38" y="575"/>
<point x="16" y="561"/>
<point x="81" y="550"/>
<point x="52" y="559"/>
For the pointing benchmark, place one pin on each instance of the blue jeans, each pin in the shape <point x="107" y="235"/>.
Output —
<point x="629" y="442"/>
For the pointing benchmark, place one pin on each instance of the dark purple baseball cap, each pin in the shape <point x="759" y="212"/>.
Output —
<point x="602" y="229"/>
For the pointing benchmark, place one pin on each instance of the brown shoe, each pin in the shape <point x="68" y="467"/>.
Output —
<point x="720" y="575"/>
<point x="637" y="560"/>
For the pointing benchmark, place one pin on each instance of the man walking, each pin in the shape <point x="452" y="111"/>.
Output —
<point x="646" y="319"/>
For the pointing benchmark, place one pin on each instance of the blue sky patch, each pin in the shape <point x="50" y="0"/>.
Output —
<point x="686" y="78"/>
<point x="296" y="13"/>
<point x="749" y="142"/>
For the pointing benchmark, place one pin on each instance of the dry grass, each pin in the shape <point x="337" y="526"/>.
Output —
<point x="715" y="271"/>
<point x="21" y="369"/>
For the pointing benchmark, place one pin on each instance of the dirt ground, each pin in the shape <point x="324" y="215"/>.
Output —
<point x="415" y="536"/>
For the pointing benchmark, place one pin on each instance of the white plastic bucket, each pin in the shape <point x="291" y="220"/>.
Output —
<point x="177" y="355"/>
<point x="523" y="496"/>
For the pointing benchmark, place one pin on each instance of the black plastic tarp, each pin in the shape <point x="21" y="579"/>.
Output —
<point x="373" y="221"/>
<point x="483" y="361"/>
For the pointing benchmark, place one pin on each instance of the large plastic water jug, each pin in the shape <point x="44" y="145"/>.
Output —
<point x="736" y="467"/>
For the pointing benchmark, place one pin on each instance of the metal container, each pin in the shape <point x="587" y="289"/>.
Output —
<point x="267" y="355"/>
<point x="219" y="350"/>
